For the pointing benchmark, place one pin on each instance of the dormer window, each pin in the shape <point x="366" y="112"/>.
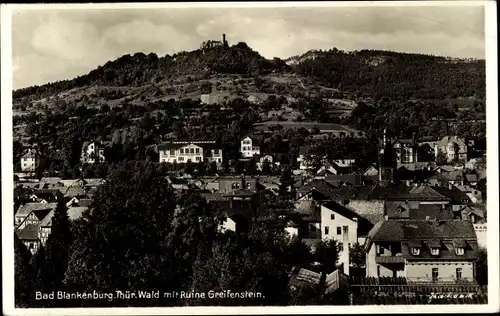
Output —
<point x="434" y="251"/>
<point x="459" y="251"/>
<point x="415" y="251"/>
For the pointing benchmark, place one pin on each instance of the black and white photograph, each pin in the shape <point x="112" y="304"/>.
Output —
<point x="236" y="158"/>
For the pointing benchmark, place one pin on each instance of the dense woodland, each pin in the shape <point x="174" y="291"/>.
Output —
<point x="397" y="75"/>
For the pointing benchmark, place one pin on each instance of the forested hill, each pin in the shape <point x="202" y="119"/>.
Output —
<point x="368" y="73"/>
<point x="141" y="69"/>
<point x="393" y="74"/>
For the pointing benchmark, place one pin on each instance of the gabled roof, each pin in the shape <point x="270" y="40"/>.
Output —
<point x="93" y="182"/>
<point x="431" y="211"/>
<point x="47" y="219"/>
<point x="309" y="209"/>
<point x="26" y="209"/>
<point x="341" y="210"/>
<point x="353" y="179"/>
<point x="31" y="153"/>
<point x="405" y="230"/>
<point x="257" y="140"/>
<point x="455" y="175"/>
<point x="316" y="184"/>
<point x="471" y="177"/>
<point x="29" y="232"/>
<point x="451" y="139"/>
<point x="425" y="192"/>
<point x="73" y="191"/>
<point x="455" y="195"/>
<point x="75" y="212"/>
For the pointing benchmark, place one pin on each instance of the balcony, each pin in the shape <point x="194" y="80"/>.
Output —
<point x="389" y="259"/>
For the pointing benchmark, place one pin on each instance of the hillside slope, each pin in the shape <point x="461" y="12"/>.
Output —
<point x="142" y="78"/>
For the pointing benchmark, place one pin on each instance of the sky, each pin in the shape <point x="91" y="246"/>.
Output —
<point x="50" y="45"/>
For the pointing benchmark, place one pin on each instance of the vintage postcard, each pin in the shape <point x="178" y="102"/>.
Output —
<point x="249" y="158"/>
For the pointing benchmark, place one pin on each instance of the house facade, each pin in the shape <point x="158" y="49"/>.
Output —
<point x="453" y="147"/>
<point x="340" y="224"/>
<point x="250" y="146"/>
<point x="194" y="151"/>
<point x="406" y="150"/>
<point x="92" y="152"/>
<point x="29" y="161"/>
<point x="422" y="250"/>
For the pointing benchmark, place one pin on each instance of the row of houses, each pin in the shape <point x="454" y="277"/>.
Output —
<point x="37" y="202"/>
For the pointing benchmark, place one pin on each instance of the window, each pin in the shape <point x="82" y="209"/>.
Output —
<point x="434" y="251"/>
<point x="380" y="250"/>
<point x="197" y="150"/>
<point x="459" y="251"/>
<point x="327" y="230"/>
<point x="172" y="152"/>
<point x="198" y="158"/>
<point x="339" y="230"/>
<point x="191" y="150"/>
<point x="415" y="251"/>
<point x="313" y="228"/>
<point x="332" y="217"/>
<point x="216" y="151"/>
<point x="180" y="159"/>
<point x="219" y="160"/>
<point x="182" y="151"/>
<point x="341" y="246"/>
<point x="435" y="274"/>
<point x="378" y="270"/>
<point x="459" y="273"/>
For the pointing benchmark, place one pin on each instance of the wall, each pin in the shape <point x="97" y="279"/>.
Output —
<point x="447" y="269"/>
<point x="228" y="224"/>
<point x="292" y="231"/>
<point x="28" y="164"/>
<point x="347" y="239"/>
<point x="371" y="265"/>
<point x="166" y="155"/>
<point x="481" y="233"/>
<point x="250" y="150"/>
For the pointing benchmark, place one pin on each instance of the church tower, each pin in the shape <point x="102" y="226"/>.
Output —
<point x="386" y="161"/>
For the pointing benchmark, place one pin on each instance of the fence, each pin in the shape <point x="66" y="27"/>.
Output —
<point x="402" y="291"/>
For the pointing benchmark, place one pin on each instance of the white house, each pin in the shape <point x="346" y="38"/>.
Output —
<point x="92" y="152"/>
<point x="250" y="146"/>
<point x="194" y="151"/>
<point x="29" y="160"/>
<point x="454" y="147"/>
<point x="341" y="224"/>
<point x="344" y="163"/>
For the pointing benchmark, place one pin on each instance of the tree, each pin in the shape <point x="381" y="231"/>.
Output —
<point x="357" y="256"/>
<point x="441" y="158"/>
<point x="122" y="240"/>
<point x="327" y="254"/>
<point x="58" y="247"/>
<point x="266" y="168"/>
<point x="298" y="253"/>
<point x="23" y="274"/>
<point x="482" y="267"/>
